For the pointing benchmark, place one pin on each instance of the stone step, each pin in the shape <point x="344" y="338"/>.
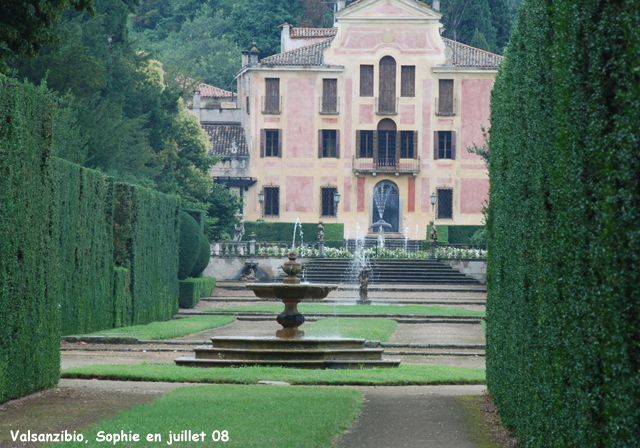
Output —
<point x="297" y="364"/>
<point x="262" y="343"/>
<point x="208" y="352"/>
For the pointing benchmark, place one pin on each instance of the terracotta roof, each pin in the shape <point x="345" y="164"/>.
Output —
<point x="313" y="32"/>
<point x="226" y="140"/>
<point x="207" y="91"/>
<point x="466" y="56"/>
<point x="309" y="55"/>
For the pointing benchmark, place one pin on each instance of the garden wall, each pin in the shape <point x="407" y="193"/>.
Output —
<point x="563" y="305"/>
<point x="146" y="231"/>
<point x="29" y="275"/>
<point x="84" y="200"/>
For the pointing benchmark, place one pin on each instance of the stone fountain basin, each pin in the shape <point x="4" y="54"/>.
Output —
<point x="288" y="291"/>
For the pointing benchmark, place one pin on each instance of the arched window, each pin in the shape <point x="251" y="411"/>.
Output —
<point x="387" y="86"/>
<point x="387" y="133"/>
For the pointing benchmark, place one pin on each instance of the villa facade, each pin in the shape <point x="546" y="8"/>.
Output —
<point x="379" y="109"/>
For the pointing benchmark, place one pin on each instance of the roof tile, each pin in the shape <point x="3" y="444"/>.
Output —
<point x="466" y="56"/>
<point x="207" y="91"/>
<point x="228" y="141"/>
<point x="313" y="32"/>
<point x="308" y="55"/>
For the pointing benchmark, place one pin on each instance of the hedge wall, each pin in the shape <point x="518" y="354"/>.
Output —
<point x="29" y="277"/>
<point x="122" y="307"/>
<point x="563" y="306"/>
<point x="193" y="289"/>
<point x="283" y="231"/>
<point x="84" y="199"/>
<point x="146" y="230"/>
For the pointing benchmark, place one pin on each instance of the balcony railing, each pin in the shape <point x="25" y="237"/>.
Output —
<point x="272" y="105"/>
<point x="386" y="107"/>
<point x="326" y="108"/>
<point x="385" y="165"/>
<point x="449" y="112"/>
<point x="227" y="249"/>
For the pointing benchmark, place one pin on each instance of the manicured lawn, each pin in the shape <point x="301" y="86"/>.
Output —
<point x="170" y="329"/>
<point x="252" y="416"/>
<point x="403" y="375"/>
<point x="356" y="309"/>
<point x="371" y="329"/>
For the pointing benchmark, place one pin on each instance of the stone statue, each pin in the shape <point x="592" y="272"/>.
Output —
<point x="364" y="287"/>
<point x="433" y="234"/>
<point x="320" y="231"/>
<point x="239" y="231"/>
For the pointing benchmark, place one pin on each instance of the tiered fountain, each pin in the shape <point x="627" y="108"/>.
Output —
<point x="289" y="347"/>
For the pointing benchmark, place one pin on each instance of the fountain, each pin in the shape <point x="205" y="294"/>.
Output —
<point x="289" y="347"/>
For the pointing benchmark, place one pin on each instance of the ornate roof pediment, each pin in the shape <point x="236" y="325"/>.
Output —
<point x="387" y="10"/>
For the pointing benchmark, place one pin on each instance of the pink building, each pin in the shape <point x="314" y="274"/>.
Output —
<point x="379" y="109"/>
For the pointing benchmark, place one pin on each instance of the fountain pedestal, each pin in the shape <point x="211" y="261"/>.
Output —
<point x="289" y="348"/>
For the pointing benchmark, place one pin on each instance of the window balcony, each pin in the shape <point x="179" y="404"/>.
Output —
<point x="329" y="106"/>
<point x="271" y="105"/>
<point x="388" y="106"/>
<point x="370" y="165"/>
<point x="447" y="109"/>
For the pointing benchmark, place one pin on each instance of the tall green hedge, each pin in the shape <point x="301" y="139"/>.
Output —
<point x="84" y="199"/>
<point x="146" y="230"/>
<point x="29" y="277"/>
<point x="563" y="306"/>
<point x="283" y="231"/>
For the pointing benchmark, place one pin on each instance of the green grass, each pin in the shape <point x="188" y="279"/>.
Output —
<point x="170" y="329"/>
<point x="403" y="375"/>
<point x="371" y="329"/>
<point x="308" y="308"/>
<point x="254" y="416"/>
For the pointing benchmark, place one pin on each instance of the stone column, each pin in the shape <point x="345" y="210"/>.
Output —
<point x="252" y="243"/>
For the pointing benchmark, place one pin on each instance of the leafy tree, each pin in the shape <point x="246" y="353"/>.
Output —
<point x="479" y="41"/>
<point x="222" y="212"/>
<point x="25" y="25"/>
<point x="315" y="12"/>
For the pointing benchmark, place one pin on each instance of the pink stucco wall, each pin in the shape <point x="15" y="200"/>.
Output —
<point x="300" y="118"/>
<point x="426" y="120"/>
<point x="360" y="194"/>
<point x="329" y="120"/>
<point x="328" y="179"/>
<point x="411" y="200"/>
<point x="408" y="114"/>
<point x="425" y="204"/>
<point x="346" y="202"/>
<point x="347" y="119"/>
<point x="371" y="40"/>
<point x="476" y="98"/>
<point x="272" y="119"/>
<point x="299" y="194"/>
<point x="473" y="195"/>
<point x="366" y="114"/>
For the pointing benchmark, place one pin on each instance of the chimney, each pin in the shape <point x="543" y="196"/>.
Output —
<point x="253" y="55"/>
<point x="436" y="5"/>
<point x="196" y="100"/>
<point x="340" y="4"/>
<point x="245" y="58"/>
<point x="285" y="37"/>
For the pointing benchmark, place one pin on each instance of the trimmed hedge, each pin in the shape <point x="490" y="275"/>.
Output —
<point x="283" y="231"/>
<point x="189" y="246"/>
<point x="84" y="199"/>
<point x="192" y="289"/>
<point x="146" y="233"/>
<point x="204" y="257"/>
<point x="563" y="305"/>
<point x="29" y="272"/>
<point x="122" y="311"/>
<point x="198" y="215"/>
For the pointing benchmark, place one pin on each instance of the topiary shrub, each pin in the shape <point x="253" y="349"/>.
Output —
<point x="189" y="247"/>
<point x="203" y="257"/>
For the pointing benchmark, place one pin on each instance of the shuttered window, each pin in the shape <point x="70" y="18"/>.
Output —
<point x="271" y="201"/>
<point x="272" y="95"/>
<point x="365" y="144"/>
<point x="407" y="144"/>
<point x="387" y="93"/>
<point x="387" y="148"/>
<point x="444" y="144"/>
<point x="445" y="97"/>
<point x="408" y="80"/>
<point x="329" y="143"/>
<point x="366" y="80"/>
<point x="329" y="96"/>
<point x="445" y="203"/>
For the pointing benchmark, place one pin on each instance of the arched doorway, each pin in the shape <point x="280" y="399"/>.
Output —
<point x="387" y="143"/>
<point x="386" y="199"/>
<point x="387" y="86"/>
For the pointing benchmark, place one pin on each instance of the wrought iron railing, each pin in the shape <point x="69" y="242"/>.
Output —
<point x="387" y="165"/>
<point x="447" y="112"/>
<point x="329" y="107"/>
<point x="386" y="107"/>
<point x="271" y="105"/>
